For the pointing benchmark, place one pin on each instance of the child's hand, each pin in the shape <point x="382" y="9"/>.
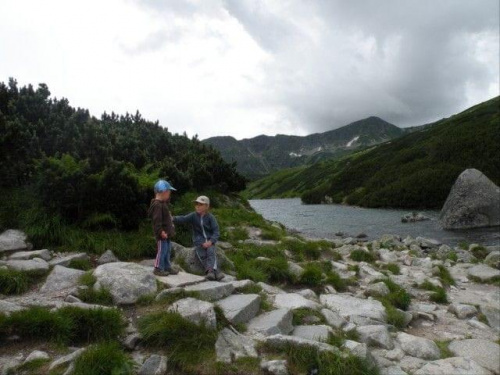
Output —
<point x="207" y="244"/>
<point x="163" y="235"/>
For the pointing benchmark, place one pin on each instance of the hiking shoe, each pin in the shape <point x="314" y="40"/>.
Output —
<point x="159" y="272"/>
<point x="210" y="276"/>
<point x="172" y="271"/>
<point x="219" y="275"/>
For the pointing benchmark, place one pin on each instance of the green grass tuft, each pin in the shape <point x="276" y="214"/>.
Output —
<point x="13" y="282"/>
<point x="397" y="297"/>
<point x="334" y="279"/>
<point x="300" y="315"/>
<point x="186" y="342"/>
<point x="445" y="276"/>
<point x="312" y="275"/>
<point x="362" y="256"/>
<point x="443" y="348"/>
<point x="80" y="264"/>
<point x="103" y="359"/>
<point x="479" y="252"/>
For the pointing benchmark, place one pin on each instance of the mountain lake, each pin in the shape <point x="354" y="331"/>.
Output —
<point x="324" y="221"/>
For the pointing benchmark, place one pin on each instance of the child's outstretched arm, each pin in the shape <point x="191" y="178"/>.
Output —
<point x="183" y="218"/>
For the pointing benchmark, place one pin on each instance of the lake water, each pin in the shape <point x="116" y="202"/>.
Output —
<point x="326" y="220"/>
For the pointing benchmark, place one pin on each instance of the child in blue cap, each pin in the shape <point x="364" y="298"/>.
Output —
<point x="163" y="227"/>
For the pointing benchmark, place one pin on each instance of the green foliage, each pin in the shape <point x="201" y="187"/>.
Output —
<point x="445" y="276"/>
<point x="186" y="342"/>
<point x="101" y="296"/>
<point x="439" y="295"/>
<point x="394" y="316"/>
<point x="87" y="279"/>
<point x="397" y="297"/>
<point x="240" y="366"/>
<point x="13" y="282"/>
<point x="312" y="275"/>
<point x="362" y="256"/>
<point x="452" y="255"/>
<point x="68" y="325"/>
<point x="32" y="367"/>
<point x="415" y="170"/>
<point x="306" y="360"/>
<point x="80" y="264"/>
<point x="310" y="250"/>
<point x="480" y="252"/>
<point x="103" y="359"/>
<point x="300" y="316"/>
<point x="334" y="279"/>
<point x="393" y="267"/>
<point x="277" y="270"/>
<point x="250" y="289"/>
<point x="443" y="348"/>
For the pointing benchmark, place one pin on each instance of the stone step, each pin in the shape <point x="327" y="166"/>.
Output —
<point x="196" y="311"/>
<point x="25" y="255"/>
<point x="272" y="322"/>
<point x="318" y="332"/>
<point x="294" y="301"/>
<point x="240" y="308"/>
<point x="211" y="290"/>
<point x="180" y="280"/>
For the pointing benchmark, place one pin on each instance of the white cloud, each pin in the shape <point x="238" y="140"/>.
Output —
<point x="239" y="67"/>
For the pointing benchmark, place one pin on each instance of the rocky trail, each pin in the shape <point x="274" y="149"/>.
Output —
<point x="455" y="334"/>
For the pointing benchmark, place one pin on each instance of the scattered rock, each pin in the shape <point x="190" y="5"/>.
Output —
<point x="131" y="340"/>
<point x="196" y="311"/>
<point x="492" y="315"/>
<point x="13" y="240"/>
<point x="270" y="289"/>
<point x="418" y="346"/>
<point x="65" y="260"/>
<point x="493" y="259"/>
<point x="376" y="335"/>
<point x="180" y="280"/>
<point x="272" y="322"/>
<point x="187" y="257"/>
<point x="484" y="273"/>
<point x="211" y="290"/>
<point x="315" y="332"/>
<point x="240" y="308"/>
<point x="348" y="306"/>
<point x="36" y="266"/>
<point x="427" y="243"/>
<point x="36" y="355"/>
<point x="275" y="367"/>
<point x="9" y="307"/>
<point x="454" y="365"/>
<point x="485" y="353"/>
<point x="294" y="301"/>
<point x="414" y="217"/>
<point x="359" y="350"/>
<point x="239" y="285"/>
<point x="231" y="346"/>
<point x="295" y="269"/>
<point x="377" y="289"/>
<point x="126" y="281"/>
<point x="107" y="257"/>
<point x="61" y="278"/>
<point x="25" y="255"/>
<point x="333" y="318"/>
<point x="65" y="360"/>
<point x="473" y="202"/>
<point x="154" y="365"/>
<point x="462" y="311"/>
<point x="279" y="341"/>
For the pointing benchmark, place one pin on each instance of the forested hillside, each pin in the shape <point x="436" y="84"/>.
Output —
<point x="416" y="170"/>
<point x="96" y="171"/>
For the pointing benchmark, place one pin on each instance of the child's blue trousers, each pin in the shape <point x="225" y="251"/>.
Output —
<point x="162" y="261"/>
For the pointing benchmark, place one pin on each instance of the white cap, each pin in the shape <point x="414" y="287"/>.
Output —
<point x="203" y="200"/>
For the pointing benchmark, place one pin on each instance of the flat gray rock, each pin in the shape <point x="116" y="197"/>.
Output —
<point x="492" y="315"/>
<point x="242" y="284"/>
<point x="180" y="280"/>
<point x="154" y="365"/>
<point x="270" y="289"/>
<point x="240" y="308"/>
<point x="282" y="341"/>
<point x="37" y="265"/>
<point x="375" y="335"/>
<point x="231" y="346"/>
<point x="462" y="311"/>
<point x="65" y="360"/>
<point x="126" y="281"/>
<point x="25" y="255"/>
<point x="452" y="366"/>
<point x="312" y="332"/>
<point x="36" y="355"/>
<point x="333" y="318"/>
<point x="294" y="301"/>
<point x="418" y="346"/>
<point x="473" y="202"/>
<point x="484" y="273"/>
<point x="61" y="278"/>
<point x="275" y="367"/>
<point x="65" y="259"/>
<point x="107" y="257"/>
<point x="347" y="306"/>
<point x="485" y="353"/>
<point x="272" y="322"/>
<point x="195" y="311"/>
<point x="493" y="259"/>
<point x="9" y="307"/>
<point x="211" y="290"/>
<point x="13" y="240"/>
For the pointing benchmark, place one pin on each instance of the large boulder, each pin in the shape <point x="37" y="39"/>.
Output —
<point x="240" y="308"/>
<point x="13" y="240"/>
<point x="271" y="323"/>
<point x="484" y="273"/>
<point x="348" y="306"/>
<point x="126" y="281"/>
<point x="231" y="346"/>
<point x="473" y="202"/>
<point x="196" y="311"/>
<point x="211" y="290"/>
<point x="485" y="353"/>
<point x="453" y="366"/>
<point x="61" y="278"/>
<point x="187" y="259"/>
<point x="419" y="347"/>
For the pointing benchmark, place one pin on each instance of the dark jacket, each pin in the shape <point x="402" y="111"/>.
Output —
<point x="205" y="228"/>
<point x="161" y="218"/>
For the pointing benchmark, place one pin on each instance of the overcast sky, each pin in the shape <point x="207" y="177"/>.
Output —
<point x="244" y="68"/>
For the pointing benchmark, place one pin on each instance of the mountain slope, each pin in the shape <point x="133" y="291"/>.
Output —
<point x="262" y="155"/>
<point x="416" y="170"/>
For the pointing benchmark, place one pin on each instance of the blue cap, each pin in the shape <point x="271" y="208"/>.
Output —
<point x="162" y="185"/>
